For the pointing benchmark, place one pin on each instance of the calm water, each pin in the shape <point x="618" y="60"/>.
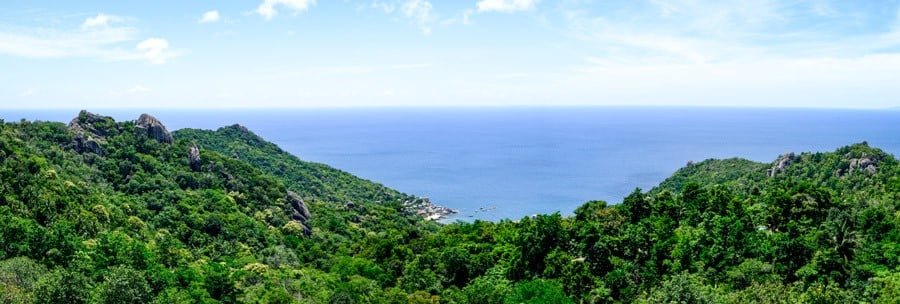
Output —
<point x="515" y="162"/>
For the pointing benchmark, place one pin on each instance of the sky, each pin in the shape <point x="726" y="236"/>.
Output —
<point x="374" y="53"/>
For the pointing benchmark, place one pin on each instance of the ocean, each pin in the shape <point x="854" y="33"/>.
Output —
<point x="507" y="163"/>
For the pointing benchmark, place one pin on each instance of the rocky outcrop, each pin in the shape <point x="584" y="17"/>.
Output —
<point x="299" y="212"/>
<point x="88" y="133"/>
<point x="84" y="143"/>
<point x="423" y="207"/>
<point x="864" y="163"/>
<point x="782" y="163"/>
<point x="150" y="126"/>
<point x="90" y="123"/>
<point x="194" y="158"/>
<point x="872" y="169"/>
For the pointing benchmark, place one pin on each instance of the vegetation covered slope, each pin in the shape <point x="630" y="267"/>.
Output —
<point x="309" y="179"/>
<point x="110" y="213"/>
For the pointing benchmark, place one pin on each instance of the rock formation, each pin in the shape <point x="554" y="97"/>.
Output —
<point x="863" y="164"/>
<point x="299" y="212"/>
<point x="88" y="137"/>
<point x="151" y="127"/>
<point x="86" y="143"/>
<point x="781" y="163"/>
<point x="194" y="158"/>
<point x="87" y="121"/>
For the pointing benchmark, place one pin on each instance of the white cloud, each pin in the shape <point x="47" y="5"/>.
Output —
<point x="420" y="12"/>
<point x="505" y="6"/>
<point x="267" y="7"/>
<point x="27" y="93"/>
<point x="101" y="20"/>
<point x="97" y="38"/>
<point x="722" y="31"/>
<point x="46" y="43"/>
<point x="156" y="50"/>
<point x="210" y="17"/>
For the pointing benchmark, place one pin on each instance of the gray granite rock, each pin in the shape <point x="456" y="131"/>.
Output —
<point x="194" y="158"/>
<point x="153" y="128"/>
<point x="299" y="211"/>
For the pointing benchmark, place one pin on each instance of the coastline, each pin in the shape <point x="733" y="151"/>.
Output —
<point x="422" y="206"/>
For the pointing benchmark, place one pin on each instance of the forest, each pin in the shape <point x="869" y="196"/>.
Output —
<point x="100" y="211"/>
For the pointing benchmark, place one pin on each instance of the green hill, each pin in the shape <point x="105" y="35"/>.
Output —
<point x="312" y="180"/>
<point x="100" y="211"/>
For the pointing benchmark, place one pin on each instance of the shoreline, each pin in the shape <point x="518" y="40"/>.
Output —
<point x="422" y="206"/>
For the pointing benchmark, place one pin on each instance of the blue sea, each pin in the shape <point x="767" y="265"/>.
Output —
<point x="496" y="163"/>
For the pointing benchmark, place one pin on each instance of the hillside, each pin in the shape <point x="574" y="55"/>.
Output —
<point x="100" y="211"/>
<point x="310" y="180"/>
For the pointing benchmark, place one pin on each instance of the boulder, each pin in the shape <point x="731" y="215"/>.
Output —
<point x="152" y="127"/>
<point x="862" y="164"/>
<point x="781" y="164"/>
<point x="298" y="211"/>
<point x="871" y="169"/>
<point x="88" y="137"/>
<point x="865" y="162"/>
<point x="85" y="143"/>
<point x="194" y="158"/>
<point x="86" y="122"/>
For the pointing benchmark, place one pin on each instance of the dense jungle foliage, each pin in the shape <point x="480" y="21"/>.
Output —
<point x="108" y="213"/>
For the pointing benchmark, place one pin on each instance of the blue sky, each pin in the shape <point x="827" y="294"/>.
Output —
<point x="308" y="53"/>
